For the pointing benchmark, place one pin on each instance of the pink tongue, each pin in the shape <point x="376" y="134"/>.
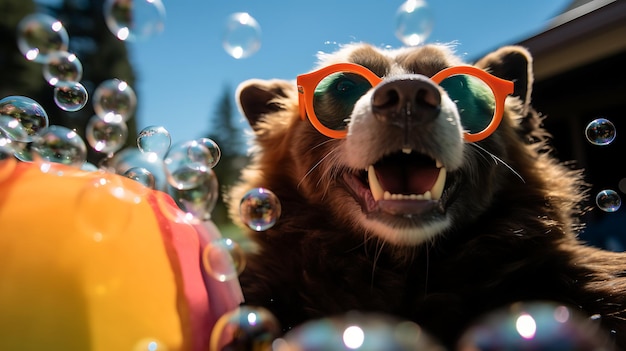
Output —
<point x="406" y="178"/>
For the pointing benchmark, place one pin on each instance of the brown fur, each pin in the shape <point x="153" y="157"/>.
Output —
<point x="510" y="240"/>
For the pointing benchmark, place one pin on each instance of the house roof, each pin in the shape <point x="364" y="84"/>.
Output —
<point x="587" y="30"/>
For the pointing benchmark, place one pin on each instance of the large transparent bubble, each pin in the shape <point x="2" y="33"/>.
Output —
<point x="106" y="137"/>
<point x="114" y="100"/>
<point x="245" y="328"/>
<point x="134" y="20"/>
<point x="39" y="34"/>
<point x="62" y="66"/>
<point x="259" y="209"/>
<point x="59" y="144"/>
<point x="27" y="111"/>
<point x="414" y="22"/>
<point x="242" y="35"/>
<point x="70" y="96"/>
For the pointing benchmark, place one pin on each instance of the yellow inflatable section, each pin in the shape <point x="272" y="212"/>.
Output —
<point x="92" y="261"/>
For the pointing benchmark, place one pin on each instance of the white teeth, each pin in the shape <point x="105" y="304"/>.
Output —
<point x="379" y="194"/>
<point x="375" y="188"/>
<point x="406" y="150"/>
<point x="438" y="164"/>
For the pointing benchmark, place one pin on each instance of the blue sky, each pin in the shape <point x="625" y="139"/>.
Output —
<point x="182" y="72"/>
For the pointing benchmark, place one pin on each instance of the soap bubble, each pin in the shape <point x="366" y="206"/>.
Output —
<point x="245" y="328"/>
<point x="223" y="259"/>
<point x="186" y="165"/>
<point x="106" y="137"/>
<point x="242" y="37"/>
<point x="62" y="66"/>
<point x="600" y="132"/>
<point x="357" y="331"/>
<point x="128" y="158"/>
<point x="414" y="22"/>
<point x="142" y="176"/>
<point x="214" y="151"/>
<point x="200" y="200"/>
<point x="27" y="111"/>
<point x="114" y="100"/>
<point x="154" y="139"/>
<point x="60" y="145"/>
<point x="535" y="326"/>
<point x="608" y="200"/>
<point x="39" y="34"/>
<point x="134" y="20"/>
<point x="70" y="96"/>
<point x="259" y="209"/>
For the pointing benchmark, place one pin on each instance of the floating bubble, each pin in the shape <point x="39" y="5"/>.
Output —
<point x="27" y="111"/>
<point x="134" y="20"/>
<point x="357" y="331"/>
<point x="150" y="344"/>
<point x="185" y="165"/>
<point x="128" y="158"/>
<point x="62" y="66"/>
<point x="600" y="132"/>
<point x="242" y="37"/>
<point x="70" y="96"/>
<point x="39" y="34"/>
<point x="259" y="209"/>
<point x="106" y="137"/>
<point x="114" y="100"/>
<point x="223" y="259"/>
<point x="245" y="328"/>
<point x="608" y="200"/>
<point x="414" y="22"/>
<point x="141" y="175"/>
<point x="154" y="139"/>
<point x="60" y="145"/>
<point x="214" y="151"/>
<point x="199" y="201"/>
<point x="535" y="326"/>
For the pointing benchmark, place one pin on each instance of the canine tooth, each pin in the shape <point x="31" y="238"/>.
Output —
<point x="427" y="195"/>
<point x="438" y="164"/>
<point x="375" y="188"/>
<point x="406" y="150"/>
<point x="437" y="189"/>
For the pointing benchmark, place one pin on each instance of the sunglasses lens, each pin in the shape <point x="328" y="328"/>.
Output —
<point x="335" y="96"/>
<point x="474" y="99"/>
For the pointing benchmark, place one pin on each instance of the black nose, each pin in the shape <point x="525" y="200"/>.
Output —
<point x="406" y="99"/>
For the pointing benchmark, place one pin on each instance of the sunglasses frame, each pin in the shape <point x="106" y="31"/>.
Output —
<point x="307" y="83"/>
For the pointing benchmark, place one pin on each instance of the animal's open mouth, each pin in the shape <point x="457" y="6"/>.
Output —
<point x="402" y="183"/>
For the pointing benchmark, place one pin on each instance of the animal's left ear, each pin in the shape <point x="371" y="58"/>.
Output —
<point x="512" y="63"/>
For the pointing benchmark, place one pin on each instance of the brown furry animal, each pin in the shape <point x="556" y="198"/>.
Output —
<point x="502" y="228"/>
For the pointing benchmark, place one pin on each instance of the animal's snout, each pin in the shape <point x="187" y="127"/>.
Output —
<point x="406" y="99"/>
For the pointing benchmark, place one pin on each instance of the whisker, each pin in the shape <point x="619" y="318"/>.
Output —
<point x="497" y="159"/>
<point x="379" y="251"/>
<point x="323" y="143"/>
<point x="315" y="166"/>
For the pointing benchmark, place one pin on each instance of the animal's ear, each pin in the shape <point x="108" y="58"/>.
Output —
<point x="258" y="98"/>
<point x="512" y="63"/>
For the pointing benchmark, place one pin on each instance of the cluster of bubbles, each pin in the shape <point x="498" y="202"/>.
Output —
<point x="602" y="132"/>
<point x="535" y="325"/>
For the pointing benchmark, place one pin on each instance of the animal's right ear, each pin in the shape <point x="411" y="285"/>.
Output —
<point x="258" y="98"/>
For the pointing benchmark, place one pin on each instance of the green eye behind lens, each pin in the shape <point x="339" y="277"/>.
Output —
<point x="474" y="100"/>
<point x="335" y="96"/>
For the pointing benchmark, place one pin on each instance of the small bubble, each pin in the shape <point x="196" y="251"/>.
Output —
<point x="608" y="200"/>
<point x="150" y="344"/>
<point x="114" y="100"/>
<point x="214" y="151"/>
<point x="414" y="22"/>
<point x="154" y="139"/>
<point x="141" y="175"/>
<point x="223" y="259"/>
<point x="259" y="209"/>
<point x="186" y="165"/>
<point x="134" y="20"/>
<point x="27" y="111"/>
<point x="70" y="96"/>
<point x="62" y="66"/>
<point x="106" y="137"/>
<point x="38" y="35"/>
<point x="242" y="37"/>
<point x="245" y="328"/>
<point x="131" y="157"/>
<point x="600" y="132"/>
<point x="60" y="145"/>
<point x="198" y="201"/>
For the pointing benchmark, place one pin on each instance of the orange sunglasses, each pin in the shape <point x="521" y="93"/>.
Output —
<point x="308" y="83"/>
